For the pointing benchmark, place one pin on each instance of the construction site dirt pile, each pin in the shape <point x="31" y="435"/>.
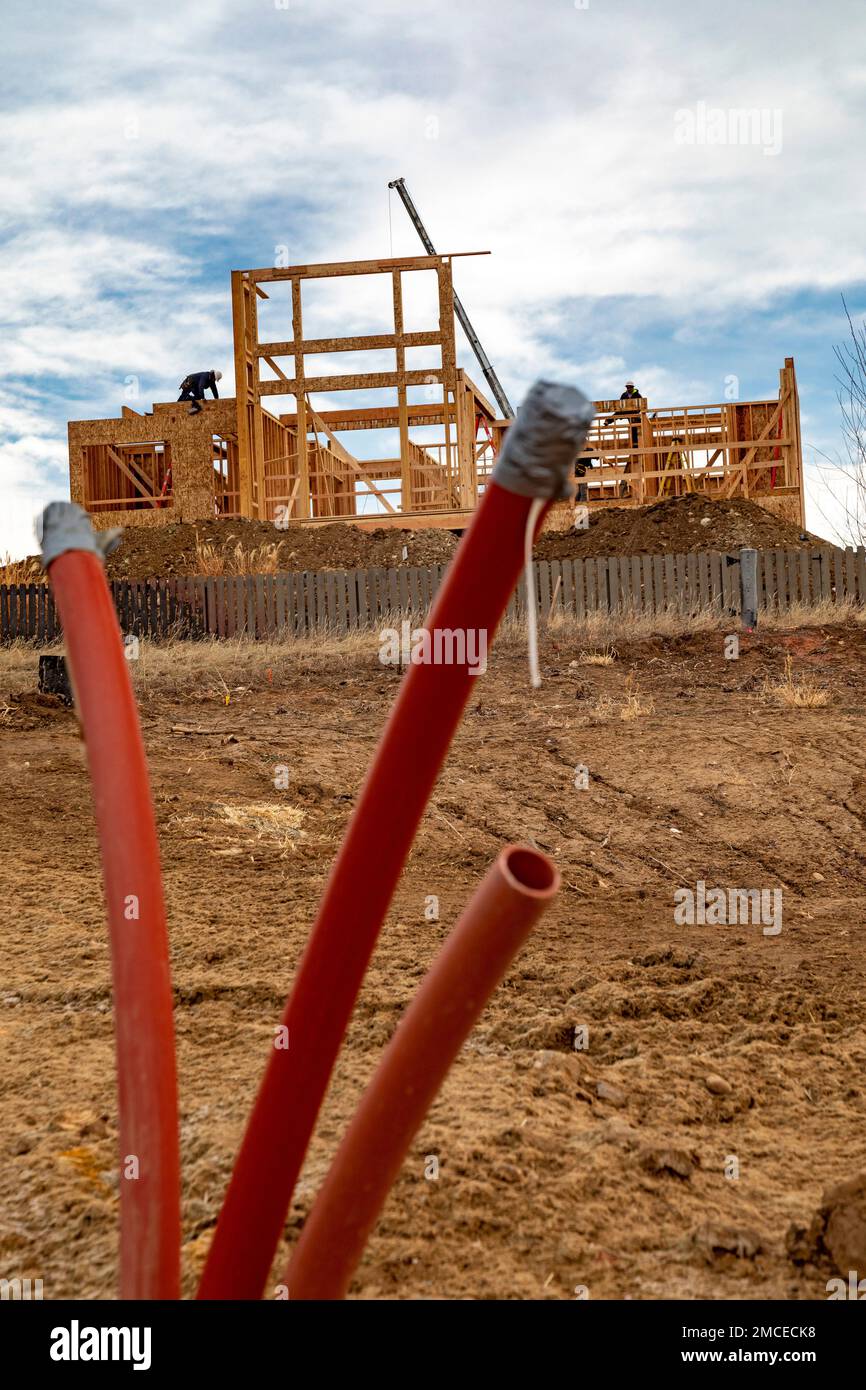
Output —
<point x="676" y="526"/>
<point x="237" y="546"/>
<point x="244" y="547"/>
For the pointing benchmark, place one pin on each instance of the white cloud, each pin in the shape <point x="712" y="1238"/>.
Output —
<point x="171" y="141"/>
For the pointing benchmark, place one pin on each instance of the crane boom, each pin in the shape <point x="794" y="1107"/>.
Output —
<point x="475" y="343"/>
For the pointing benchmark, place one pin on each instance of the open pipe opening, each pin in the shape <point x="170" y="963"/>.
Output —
<point x="530" y="871"/>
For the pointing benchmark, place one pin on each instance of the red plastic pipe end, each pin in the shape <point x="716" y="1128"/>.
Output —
<point x="144" y="1029"/>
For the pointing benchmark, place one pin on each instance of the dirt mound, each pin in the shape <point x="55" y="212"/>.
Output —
<point x="247" y="547"/>
<point x="676" y="527"/>
<point x="32" y="710"/>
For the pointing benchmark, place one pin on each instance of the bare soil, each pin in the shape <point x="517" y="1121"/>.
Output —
<point x="721" y="1090"/>
<point x="172" y="550"/>
<point x="239" y="546"/>
<point x="677" y="526"/>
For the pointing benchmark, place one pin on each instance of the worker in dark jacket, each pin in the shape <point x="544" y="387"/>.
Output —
<point x="580" y="468"/>
<point x="193" y="387"/>
<point x="631" y="393"/>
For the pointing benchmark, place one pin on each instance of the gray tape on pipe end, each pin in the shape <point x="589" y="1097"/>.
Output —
<point x="66" y="526"/>
<point x="540" y="447"/>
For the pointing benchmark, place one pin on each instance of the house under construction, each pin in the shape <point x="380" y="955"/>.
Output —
<point x="307" y="460"/>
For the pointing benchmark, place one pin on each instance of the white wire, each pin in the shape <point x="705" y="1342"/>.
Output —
<point x="531" y="614"/>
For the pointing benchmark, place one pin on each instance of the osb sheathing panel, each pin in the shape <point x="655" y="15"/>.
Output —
<point x="190" y="438"/>
<point x="785" y="505"/>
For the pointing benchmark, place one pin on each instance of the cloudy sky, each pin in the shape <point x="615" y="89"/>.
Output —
<point x="637" y="226"/>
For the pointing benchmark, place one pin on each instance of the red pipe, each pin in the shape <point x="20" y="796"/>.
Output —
<point x="491" y="930"/>
<point x="144" y="1033"/>
<point x="430" y="701"/>
<point x="537" y="457"/>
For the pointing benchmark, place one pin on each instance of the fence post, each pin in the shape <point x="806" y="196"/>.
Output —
<point x="749" y="588"/>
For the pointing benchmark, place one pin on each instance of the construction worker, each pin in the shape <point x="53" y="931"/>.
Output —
<point x="193" y="387"/>
<point x="631" y="393"/>
<point x="580" y="467"/>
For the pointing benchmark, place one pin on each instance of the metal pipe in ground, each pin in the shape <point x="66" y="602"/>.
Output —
<point x="749" y="588"/>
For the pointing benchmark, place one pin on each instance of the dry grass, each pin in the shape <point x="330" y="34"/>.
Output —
<point x="605" y="658"/>
<point x="803" y="693"/>
<point x="19" y="663"/>
<point x="603" y="708"/>
<point x="827" y="613"/>
<point x="635" y="703"/>
<point x="212" y="560"/>
<point x="276" y="822"/>
<point x="28" y="571"/>
<point x="602" y="630"/>
<point x="228" y="667"/>
<point x="212" y="667"/>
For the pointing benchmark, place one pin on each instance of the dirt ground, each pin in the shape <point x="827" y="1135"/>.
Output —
<point x="238" y="546"/>
<point x="721" y="1089"/>
<point x="176" y="549"/>
<point x="677" y="526"/>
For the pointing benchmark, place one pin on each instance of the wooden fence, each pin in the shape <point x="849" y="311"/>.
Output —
<point x="267" y="605"/>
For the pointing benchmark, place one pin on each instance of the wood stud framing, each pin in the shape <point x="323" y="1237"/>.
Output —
<point x="239" y="458"/>
<point x="436" y="478"/>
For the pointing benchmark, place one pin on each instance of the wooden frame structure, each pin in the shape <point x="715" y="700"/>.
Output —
<point x="239" y="458"/>
<point x="637" y="454"/>
<point x="318" y="477"/>
<point x="146" y="470"/>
